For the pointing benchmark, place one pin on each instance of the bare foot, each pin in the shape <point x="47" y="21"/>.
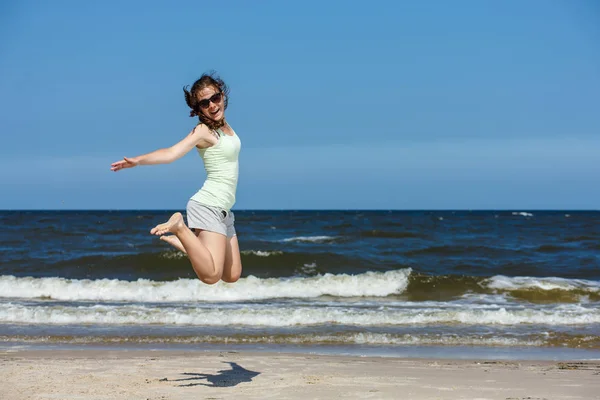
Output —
<point x="173" y="241"/>
<point x="173" y="225"/>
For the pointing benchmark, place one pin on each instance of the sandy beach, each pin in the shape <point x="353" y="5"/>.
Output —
<point x="135" y="374"/>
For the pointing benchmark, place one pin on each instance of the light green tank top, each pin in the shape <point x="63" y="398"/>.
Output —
<point x="221" y="165"/>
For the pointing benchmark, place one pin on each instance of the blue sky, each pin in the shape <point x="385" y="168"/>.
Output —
<point x="339" y="105"/>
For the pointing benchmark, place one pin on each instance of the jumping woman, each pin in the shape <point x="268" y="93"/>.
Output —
<point x="209" y="238"/>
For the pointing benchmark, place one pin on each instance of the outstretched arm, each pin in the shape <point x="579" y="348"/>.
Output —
<point x="200" y="135"/>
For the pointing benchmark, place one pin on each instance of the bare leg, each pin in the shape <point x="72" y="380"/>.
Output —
<point x="206" y="255"/>
<point x="173" y="241"/>
<point x="232" y="269"/>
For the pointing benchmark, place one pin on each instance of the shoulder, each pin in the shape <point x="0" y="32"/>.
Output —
<point x="201" y="130"/>
<point x="203" y="136"/>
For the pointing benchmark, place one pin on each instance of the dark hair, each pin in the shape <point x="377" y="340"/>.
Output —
<point x="191" y="97"/>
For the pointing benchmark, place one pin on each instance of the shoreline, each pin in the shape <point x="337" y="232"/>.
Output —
<point x="177" y="374"/>
<point x="450" y="353"/>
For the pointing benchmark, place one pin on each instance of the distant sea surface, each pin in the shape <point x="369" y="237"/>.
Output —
<point x="388" y="282"/>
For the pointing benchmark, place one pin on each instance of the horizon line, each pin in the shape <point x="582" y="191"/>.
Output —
<point x="520" y="209"/>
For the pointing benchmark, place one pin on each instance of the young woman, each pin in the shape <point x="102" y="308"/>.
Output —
<point x="209" y="239"/>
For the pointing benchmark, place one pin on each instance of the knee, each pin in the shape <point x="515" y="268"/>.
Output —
<point x="210" y="279"/>
<point x="232" y="276"/>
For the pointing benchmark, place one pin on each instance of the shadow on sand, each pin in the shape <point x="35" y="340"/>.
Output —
<point x="223" y="378"/>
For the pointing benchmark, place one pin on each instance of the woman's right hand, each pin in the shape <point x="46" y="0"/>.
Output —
<point x="124" y="163"/>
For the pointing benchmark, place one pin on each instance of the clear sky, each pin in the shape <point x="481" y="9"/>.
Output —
<point x="339" y="104"/>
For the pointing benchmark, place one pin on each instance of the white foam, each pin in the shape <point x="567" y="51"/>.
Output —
<point x="450" y="340"/>
<point x="174" y="255"/>
<point x="522" y="213"/>
<point x="261" y="253"/>
<point x="501" y="282"/>
<point x="312" y="239"/>
<point x="192" y="290"/>
<point x="362" y="338"/>
<point x="309" y="268"/>
<point x="260" y="315"/>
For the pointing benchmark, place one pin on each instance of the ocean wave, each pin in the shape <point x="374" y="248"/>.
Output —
<point x="250" y="288"/>
<point x="400" y="284"/>
<point x="261" y="253"/>
<point x="346" y="338"/>
<point x="539" y="290"/>
<point x="260" y="315"/>
<point x="501" y="282"/>
<point x="545" y="290"/>
<point x="174" y="264"/>
<point x="311" y="239"/>
<point x="523" y="214"/>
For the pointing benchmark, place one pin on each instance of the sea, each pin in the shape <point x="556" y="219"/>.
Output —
<point x="456" y="284"/>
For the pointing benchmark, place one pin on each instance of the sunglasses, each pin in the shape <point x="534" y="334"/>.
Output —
<point x="215" y="98"/>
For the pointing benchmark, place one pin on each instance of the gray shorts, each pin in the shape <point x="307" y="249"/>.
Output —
<point x="208" y="218"/>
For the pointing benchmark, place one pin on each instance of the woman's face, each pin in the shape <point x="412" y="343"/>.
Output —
<point x="211" y="103"/>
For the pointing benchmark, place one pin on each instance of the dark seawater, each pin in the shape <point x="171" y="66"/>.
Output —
<point x="368" y="279"/>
